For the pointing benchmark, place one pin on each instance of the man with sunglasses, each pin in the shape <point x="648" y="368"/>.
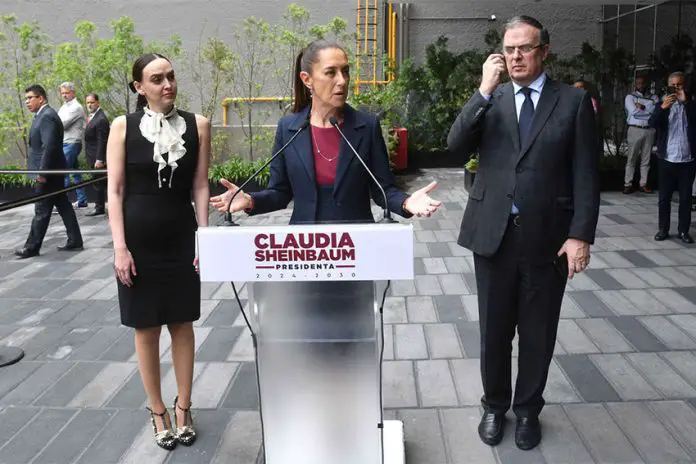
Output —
<point x="530" y="218"/>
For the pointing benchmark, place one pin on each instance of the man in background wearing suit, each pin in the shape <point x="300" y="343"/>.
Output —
<point x="46" y="153"/>
<point x="530" y="218"/>
<point x="96" y="135"/>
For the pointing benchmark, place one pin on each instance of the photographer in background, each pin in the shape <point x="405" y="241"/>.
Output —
<point x="675" y="121"/>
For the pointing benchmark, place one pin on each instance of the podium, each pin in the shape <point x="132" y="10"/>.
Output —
<point x="315" y="295"/>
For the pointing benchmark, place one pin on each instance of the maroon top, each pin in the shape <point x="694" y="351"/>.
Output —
<point x="326" y="143"/>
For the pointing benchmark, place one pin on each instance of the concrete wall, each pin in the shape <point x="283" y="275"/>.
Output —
<point x="569" y="25"/>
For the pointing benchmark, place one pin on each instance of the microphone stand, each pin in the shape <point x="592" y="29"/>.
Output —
<point x="386" y="218"/>
<point x="228" y="222"/>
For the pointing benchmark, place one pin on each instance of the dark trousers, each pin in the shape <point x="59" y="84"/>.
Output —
<point x="100" y="200"/>
<point x="679" y="177"/>
<point x="515" y="294"/>
<point x="42" y="216"/>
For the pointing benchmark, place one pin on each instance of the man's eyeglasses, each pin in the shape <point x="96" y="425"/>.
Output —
<point x="524" y="49"/>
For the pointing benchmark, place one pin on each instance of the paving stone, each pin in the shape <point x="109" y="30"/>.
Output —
<point x="636" y="334"/>
<point x="680" y="421"/>
<point x="32" y="386"/>
<point x="217" y="345"/>
<point x="421" y="309"/>
<point x="102" y="387"/>
<point x="625" y="379"/>
<point x="674" y="299"/>
<point x="428" y="285"/>
<point x="471" y="307"/>
<point x="399" y="384"/>
<point x="395" y="310"/>
<point x="684" y="362"/>
<point x="442" y="341"/>
<point x="470" y="338"/>
<point x="561" y="442"/>
<point x="637" y="258"/>
<point x="211" y="426"/>
<point x="243" y="393"/>
<point x="470" y="280"/>
<point x="423" y="436"/>
<point x="457" y="265"/>
<point x="581" y="282"/>
<point x="39" y="343"/>
<point x="467" y="379"/>
<point x="453" y="284"/>
<point x="582" y="304"/>
<point x="410" y="342"/>
<point x="403" y="288"/>
<point x="618" y="303"/>
<point x="388" y="342"/>
<point x="15" y="374"/>
<point x="464" y="446"/>
<point x="418" y="266"/>
<point x="668" y="333"/>
<point x="572" y="338"/>
<point x="657" y="257"/>
<point x="436" y="386"/>
<point x="604" y="336"/>
<point x="603" y="437"/>
<point x="438" y="250"/>
<point x="224" y="314"/>
<point x="13" y="419"/>
<point x="558" y="387"/>
<point x="63" y="391"/>
<point x="241" y="440"/>
<point x="613" y="259"/>
<point x="661" y="376"/>
<point x="450" y="308"/>
<point x="243" y="348"/>
<point x="587" y="379"/>
<point x="75" y="437"/>
<point x="33" y="437"/>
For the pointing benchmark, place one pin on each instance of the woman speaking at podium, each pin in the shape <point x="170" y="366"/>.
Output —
<point x="318" y="169"/>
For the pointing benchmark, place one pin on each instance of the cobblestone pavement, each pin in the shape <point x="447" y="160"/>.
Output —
<point x="622" y="386"/>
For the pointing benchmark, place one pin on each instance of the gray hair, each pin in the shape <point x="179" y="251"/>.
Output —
<point x="68" y="85"/>
<point x="677" y="74"/>
<point x="529" y="21"/>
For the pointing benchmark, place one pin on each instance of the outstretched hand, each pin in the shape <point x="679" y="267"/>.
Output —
<point x="420" y="204"/>
<point x="240" y="203"/>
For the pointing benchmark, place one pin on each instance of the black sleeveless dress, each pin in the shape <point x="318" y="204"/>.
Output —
<point x="160" y="226"/>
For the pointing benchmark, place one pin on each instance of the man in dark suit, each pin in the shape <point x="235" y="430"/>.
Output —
<point x="530" y="219"/>
<point x="46" y="153"/>
<point x="96" y="136"/>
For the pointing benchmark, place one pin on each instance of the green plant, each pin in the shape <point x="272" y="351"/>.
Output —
<point x="237" y="170"/>
<point x="14" y="180"/>
<point x="472" y="164"/>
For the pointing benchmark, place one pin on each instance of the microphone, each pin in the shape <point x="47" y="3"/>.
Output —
<point x="228" y="214"/>
<point x="387" y="215"/>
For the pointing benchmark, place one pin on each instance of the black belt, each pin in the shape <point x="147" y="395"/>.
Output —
<point x="639" y="127"/>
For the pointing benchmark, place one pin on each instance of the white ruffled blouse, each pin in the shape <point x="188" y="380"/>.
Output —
<point x="165" y="131"/>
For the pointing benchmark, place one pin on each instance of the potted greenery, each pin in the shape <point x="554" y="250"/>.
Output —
<point x="237" y="170"/>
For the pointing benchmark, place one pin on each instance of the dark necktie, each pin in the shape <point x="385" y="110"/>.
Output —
<point x="526" y="114"/>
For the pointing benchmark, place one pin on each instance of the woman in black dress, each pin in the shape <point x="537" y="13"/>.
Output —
<point x="157" y="162"/>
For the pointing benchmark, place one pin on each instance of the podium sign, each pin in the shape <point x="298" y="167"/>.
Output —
<point x="336" y="252"/>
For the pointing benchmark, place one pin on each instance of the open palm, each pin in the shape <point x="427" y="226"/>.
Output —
<point x="220" y="202"/>
<point x="420" y="204"/>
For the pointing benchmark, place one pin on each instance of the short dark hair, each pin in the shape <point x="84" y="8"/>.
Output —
<point x="529" y="21"/>
<point x="93" y="95"/>
<point x="37" y="89"/>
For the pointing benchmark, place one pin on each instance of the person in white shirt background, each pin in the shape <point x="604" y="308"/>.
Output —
<point x="73" y="117"/>
<point x="639" y="105"/>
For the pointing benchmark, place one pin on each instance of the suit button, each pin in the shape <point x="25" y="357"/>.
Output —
<point x="520" y="170"/>
<point x="509" y="195"/>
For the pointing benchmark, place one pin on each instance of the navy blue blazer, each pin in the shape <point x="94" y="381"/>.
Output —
<point x="292" y="174"/>
<point x="46" y="143"/>
<point x="660" y="121"/>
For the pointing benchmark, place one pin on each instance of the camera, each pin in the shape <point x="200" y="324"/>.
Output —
<point x="670" y="90"/>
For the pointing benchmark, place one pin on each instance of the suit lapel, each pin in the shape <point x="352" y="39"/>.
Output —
<point x="509" y="111"/>
<point x="352" y="128"/>
<point x="303" y="145"/>
<point x="547" y="102"/>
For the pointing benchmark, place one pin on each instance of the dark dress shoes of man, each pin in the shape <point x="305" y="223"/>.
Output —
<point x="25" y="253"/>
<point x="527" y="432"/>
<point x="71" y="247"/>
<point x="683" y="236"/>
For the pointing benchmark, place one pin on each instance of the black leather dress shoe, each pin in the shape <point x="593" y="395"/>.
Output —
<point x="491" y="428"/>
<point x="661" y="235"/>
<point x="71" y="247"/>
<point x="527" y="433"/>
<point x="25" y="253"/>
<point x="96" y="212"/>
<point x="685" y="237"/>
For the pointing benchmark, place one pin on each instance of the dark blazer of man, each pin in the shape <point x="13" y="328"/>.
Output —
<point x="96" y="136"/>
<point x="293" y="174"/>
<point x="552" y="178"/>
<point x="46" y="153"/>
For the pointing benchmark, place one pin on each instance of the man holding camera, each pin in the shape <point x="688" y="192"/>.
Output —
<point x="675" y="121"/>
<point x="639" y="105"/>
